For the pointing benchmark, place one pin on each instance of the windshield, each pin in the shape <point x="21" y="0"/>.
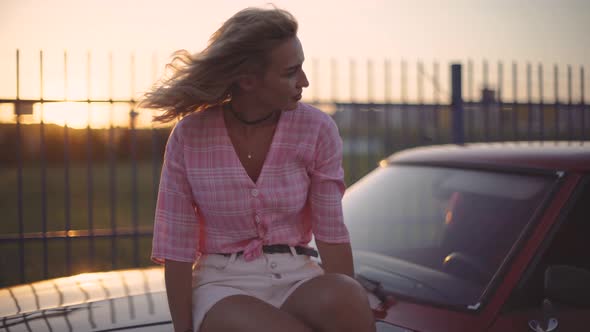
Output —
<point x="438" y="234"/>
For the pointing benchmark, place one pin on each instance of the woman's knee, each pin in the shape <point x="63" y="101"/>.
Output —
<point x="348" y="306"/>
<point x="339" y="303"/>
<point x="340" y="289"/>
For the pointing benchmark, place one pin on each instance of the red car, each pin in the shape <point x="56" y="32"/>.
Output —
<point x="484" y="237"/>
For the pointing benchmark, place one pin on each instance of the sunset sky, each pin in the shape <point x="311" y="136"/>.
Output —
<point x="538" y="31"/>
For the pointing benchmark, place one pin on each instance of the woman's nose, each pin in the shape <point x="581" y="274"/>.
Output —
<point x="302" y="82"/>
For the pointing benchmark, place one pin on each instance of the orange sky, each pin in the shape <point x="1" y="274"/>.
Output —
<point x="542" y="31"/>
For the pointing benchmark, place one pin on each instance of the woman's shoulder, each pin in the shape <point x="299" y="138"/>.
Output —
<point x="310" y="124"/>
<point x="197" y="121"/>
<point x="308" y="113"/>
<point x="199" y="118"/>
<point x="192" y="128"/>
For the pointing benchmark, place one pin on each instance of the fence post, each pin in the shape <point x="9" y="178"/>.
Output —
<point x="456" y="105"/>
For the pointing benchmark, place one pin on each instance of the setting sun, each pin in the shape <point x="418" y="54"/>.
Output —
<point x="73" y="115"/>
<point x="78" y="115"/>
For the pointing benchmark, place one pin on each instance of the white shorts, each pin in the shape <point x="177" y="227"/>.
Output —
<point x="270" y="278"/>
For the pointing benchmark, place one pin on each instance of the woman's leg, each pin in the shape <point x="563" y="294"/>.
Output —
<point x="330" y="303"/>
<point x="246" y="313"/>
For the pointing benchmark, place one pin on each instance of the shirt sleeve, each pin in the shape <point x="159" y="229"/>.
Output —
<point x="176" y="231"/>
<point x="327" y="186"/>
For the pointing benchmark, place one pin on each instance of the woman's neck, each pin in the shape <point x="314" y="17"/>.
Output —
<point x="253" y="122"/>
<point x="250" y="112"/>
<point x="236" y="124"/>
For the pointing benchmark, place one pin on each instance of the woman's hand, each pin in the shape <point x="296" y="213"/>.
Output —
<point x="336" y="257"/>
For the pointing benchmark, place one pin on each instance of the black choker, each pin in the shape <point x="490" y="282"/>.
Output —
<point x="253" y="122"/>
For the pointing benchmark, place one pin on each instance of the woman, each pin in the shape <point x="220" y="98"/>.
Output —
<point x="249" y="175"/>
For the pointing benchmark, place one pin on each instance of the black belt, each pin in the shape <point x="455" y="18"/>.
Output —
<point x="281" y="249"/>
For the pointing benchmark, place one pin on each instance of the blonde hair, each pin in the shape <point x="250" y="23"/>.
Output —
<point x="241" y="46"/>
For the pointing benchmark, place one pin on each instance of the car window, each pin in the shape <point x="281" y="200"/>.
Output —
<point x="444" y="231"/>
<point x="569" y="245"/>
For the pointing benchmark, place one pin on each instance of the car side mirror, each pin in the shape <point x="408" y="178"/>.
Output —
<point x="568" y="285"/>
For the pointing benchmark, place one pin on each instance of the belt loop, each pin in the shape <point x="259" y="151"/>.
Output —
<point x="293" y="251"/>
<point x="233" y="257"/>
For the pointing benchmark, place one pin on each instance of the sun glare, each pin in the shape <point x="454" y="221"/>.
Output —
<point x="73" y="115"/>
<point x="79" y="115"/>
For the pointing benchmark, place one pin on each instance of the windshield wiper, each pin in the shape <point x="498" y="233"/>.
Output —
<point x="376" y="288"/>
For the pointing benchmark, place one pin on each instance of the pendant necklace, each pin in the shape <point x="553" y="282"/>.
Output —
<point x="251" y="122"/>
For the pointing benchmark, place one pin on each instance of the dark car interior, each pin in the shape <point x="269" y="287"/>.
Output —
<point x="569" y="246"/>
<point x="480" y="233"/>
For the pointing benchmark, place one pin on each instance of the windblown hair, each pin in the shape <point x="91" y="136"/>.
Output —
<point x="241" y="46"/>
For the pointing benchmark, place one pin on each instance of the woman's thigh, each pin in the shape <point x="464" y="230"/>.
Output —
<point x="331" y="302"/>
<point x="247" y="313"/>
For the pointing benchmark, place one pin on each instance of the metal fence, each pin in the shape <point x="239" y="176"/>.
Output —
<point x="79" y="200"/>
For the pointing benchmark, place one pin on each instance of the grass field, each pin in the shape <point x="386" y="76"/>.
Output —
<point x="101" y="208"/>
<point x="100" y="204"/>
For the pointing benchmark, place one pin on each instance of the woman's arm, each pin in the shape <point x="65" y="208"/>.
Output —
<point x="336" y="257"/>
<point x="178" y="276"/>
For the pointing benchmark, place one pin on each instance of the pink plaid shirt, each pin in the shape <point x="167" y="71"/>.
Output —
<point x="207" y="203"/>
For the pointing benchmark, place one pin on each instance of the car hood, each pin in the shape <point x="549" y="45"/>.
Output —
<point x="105" y="301"/>
<point x="124" y="300"/>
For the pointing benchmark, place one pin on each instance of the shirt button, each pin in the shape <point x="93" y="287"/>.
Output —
<point x="273" y="265"/>
<point x="254" y="192"/>
<point x="257" y="219"/>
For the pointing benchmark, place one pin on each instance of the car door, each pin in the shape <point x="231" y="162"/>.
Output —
<point x="543" y="302"/>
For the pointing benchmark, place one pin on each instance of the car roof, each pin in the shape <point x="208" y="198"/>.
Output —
<point x="551" y="156"/>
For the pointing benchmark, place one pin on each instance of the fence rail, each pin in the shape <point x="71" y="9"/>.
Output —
<point x="79" y="200"/>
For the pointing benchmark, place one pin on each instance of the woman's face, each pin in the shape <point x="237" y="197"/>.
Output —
<point x="282" y="84"/>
